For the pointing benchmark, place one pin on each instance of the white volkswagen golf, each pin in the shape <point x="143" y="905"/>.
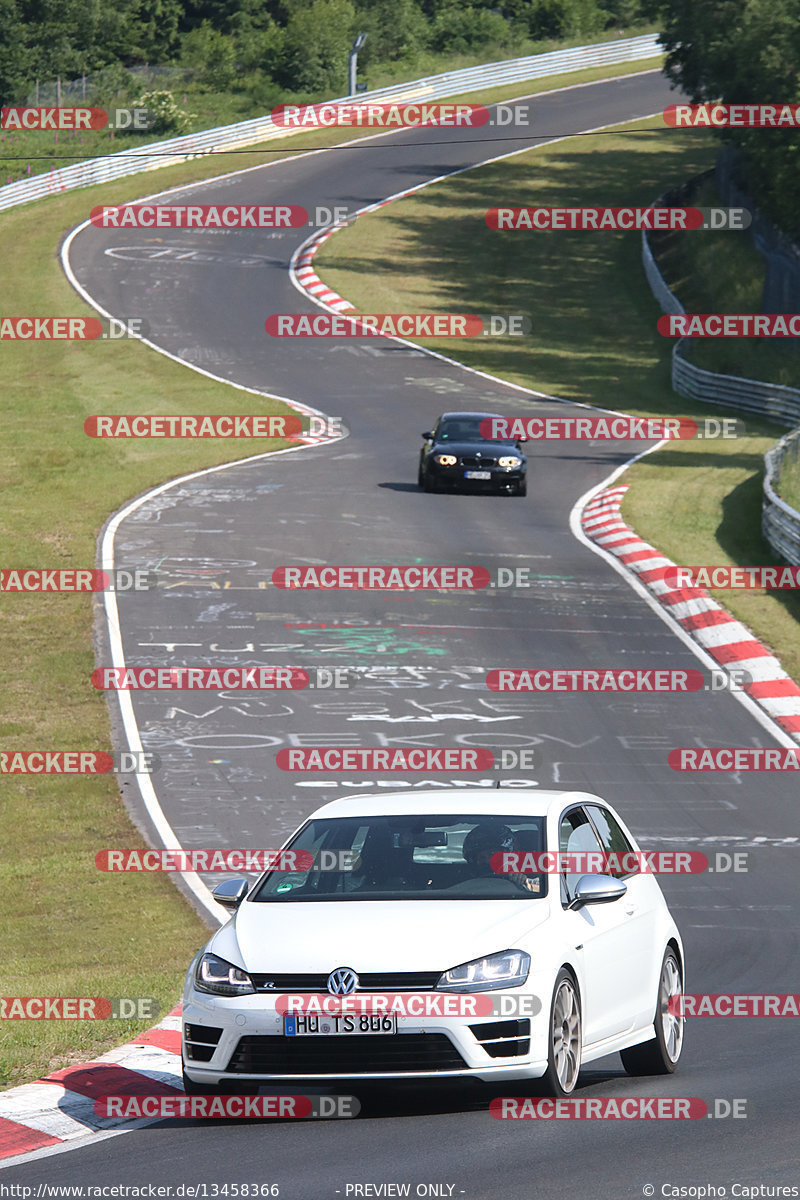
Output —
<point x="440" y="935"/>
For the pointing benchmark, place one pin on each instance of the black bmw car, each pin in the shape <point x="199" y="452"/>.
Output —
<point x="456" y="455"/>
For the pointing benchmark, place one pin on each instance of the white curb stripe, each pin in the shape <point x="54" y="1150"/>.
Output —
<point x="53" y="1109"/>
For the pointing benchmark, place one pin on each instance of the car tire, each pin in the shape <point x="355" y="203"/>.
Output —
<point x="521" y="488"/>
<point x="660" y="1056"/>
<point x="420" y="477"/>
<point x="564" y="1038"/>
<point x="428" y="483"/>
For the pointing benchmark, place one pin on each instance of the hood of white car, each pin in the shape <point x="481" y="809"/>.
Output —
<point x="418" y="935"/>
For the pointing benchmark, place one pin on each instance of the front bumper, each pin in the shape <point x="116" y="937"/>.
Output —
<point x="500" y="477"/>
<point x="233" y="1039"/>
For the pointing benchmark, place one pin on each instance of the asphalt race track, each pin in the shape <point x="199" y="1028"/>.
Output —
<point x="419" y="662"/>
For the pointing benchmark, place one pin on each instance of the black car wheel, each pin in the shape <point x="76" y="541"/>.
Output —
<point x="660" y="1055"/>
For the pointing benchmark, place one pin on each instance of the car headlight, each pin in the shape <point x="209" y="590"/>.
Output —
<point x="509" y="968"/>
<point x="445" y="460"/>
<point x="221" y="978"/>
<point x="509" y="460"/>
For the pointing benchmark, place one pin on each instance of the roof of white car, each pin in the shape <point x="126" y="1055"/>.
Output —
<point x="534" y="802"/>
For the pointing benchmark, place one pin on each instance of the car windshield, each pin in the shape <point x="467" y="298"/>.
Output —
<point x="460" y="429"/>
<point x="401" y="857"/>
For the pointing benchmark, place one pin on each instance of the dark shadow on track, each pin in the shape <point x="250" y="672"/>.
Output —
<point x="417" y="1098"/>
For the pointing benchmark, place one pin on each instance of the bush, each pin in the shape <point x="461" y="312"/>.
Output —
<point x="261" y="50"/>
<point x="622" y="13"/>
<point x="264" y="93"/>
<point x="212" y="55"/>
<point x="166" y="116"/>
<point x="111" y="82"/>
<point x="553" y="19"/>
<point x="459" y="30"/>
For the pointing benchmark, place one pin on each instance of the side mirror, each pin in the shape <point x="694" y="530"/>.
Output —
<point x="521" y="441"/>
<point x="427" y="434"/>
<point x="231" y="892"/>
<point x="597" y="889"/>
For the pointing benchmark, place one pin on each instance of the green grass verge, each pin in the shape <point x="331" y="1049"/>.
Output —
<point x="70" y="930"/>
<point x="593" y="334"/>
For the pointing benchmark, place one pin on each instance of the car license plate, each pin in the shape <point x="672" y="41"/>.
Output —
<point x="477" y="474"/>
<point x="297" y="1025"/>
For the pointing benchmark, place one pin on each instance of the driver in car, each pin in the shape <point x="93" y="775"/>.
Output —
<point x="486" y="840"/>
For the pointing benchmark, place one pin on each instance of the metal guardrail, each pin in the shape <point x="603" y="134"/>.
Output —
<point x="262" y="129"/>
<point x="667" y="300"/>
<point x="771" y="400"/>
<point x="780" y="523"/>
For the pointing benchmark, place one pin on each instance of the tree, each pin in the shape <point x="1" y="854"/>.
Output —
<point x="15" y="58"/>
<point x="318" y="40"/>
<point x="59" y="37"/>
<point x="396" y="29"/>
<point x="152" y="30"/>
<point x="624" y="12"/>
<point x="744" y="52"/>
<point x="460" y="30"/>
<point x="553" y="19"/>
<point x="232" y="16"/>
<point x="212" y="55"/>
<point x="261" y="50"/>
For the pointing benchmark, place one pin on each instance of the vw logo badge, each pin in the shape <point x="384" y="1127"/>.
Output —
<point x="342" y="981"/>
